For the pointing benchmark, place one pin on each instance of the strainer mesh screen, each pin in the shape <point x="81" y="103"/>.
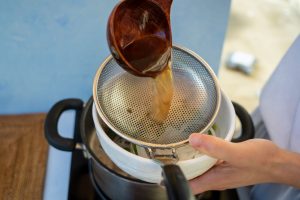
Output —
<point x="125" y="101"/>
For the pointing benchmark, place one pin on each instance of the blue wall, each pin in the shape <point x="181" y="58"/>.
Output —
<point x="50" y="50"/>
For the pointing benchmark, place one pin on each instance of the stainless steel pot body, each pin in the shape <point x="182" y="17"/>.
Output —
<point x="112" y="181"/>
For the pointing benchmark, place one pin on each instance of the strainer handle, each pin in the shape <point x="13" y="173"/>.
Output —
<point x="51" y="123"/>
<point x="176" y="184"/>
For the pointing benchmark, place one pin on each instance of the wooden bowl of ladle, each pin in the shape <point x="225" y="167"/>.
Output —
<point x="139" y="36"/>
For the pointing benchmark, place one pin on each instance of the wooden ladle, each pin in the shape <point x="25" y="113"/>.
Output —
<point x="139" y="36"/>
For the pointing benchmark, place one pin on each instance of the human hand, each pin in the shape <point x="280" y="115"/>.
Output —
<point x="240" y="164"/>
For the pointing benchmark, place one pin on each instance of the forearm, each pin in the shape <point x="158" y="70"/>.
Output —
<point x="247" y="163"/>
<point x="287" y="168"/>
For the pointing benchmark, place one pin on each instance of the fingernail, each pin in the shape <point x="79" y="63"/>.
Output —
<point x="195" y="139"/>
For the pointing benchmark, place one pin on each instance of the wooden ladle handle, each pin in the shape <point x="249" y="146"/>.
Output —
<point x="165" y="5"/>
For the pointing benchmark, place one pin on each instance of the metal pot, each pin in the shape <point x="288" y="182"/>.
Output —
<point x="115" y="183"/>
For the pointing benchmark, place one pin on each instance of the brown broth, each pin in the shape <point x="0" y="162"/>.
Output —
<point x="162" y="95"/>
<point x="151" y="56"/>
<point x="139" y="36"/>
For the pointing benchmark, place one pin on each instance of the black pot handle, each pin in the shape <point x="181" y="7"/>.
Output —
<point x="247" y="126"/>
<point x="176" y="184"/>
<point x="51" y="122"/>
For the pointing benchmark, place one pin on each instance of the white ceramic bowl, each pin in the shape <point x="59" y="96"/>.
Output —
<point x="150" y="171"/>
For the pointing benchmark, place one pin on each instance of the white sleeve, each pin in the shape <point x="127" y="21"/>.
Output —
<point x="280" y="101"/>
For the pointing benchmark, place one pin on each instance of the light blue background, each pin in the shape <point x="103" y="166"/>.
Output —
<point x="50" y="50"/>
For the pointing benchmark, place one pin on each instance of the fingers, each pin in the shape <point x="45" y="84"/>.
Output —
<point x="202" y="184"/>
<point x="214" y="179"/>
<point x="213" y="146"/>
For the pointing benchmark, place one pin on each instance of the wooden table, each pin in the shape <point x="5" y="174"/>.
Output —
<point x="23" y="156"/>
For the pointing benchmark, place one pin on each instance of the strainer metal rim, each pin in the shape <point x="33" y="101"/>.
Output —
<point x="105" y="119"/>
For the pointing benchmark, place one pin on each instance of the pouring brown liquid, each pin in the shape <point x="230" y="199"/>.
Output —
<point x="139" y="37"/>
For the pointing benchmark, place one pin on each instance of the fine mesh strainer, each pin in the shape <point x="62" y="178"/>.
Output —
<point x="124" y="101"/>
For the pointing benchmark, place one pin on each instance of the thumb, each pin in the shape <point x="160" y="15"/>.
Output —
<point x="213" y="146"/>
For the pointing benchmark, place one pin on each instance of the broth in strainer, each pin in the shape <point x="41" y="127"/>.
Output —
<point x="151" y="57"/>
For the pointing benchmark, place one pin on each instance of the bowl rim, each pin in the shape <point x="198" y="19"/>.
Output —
<point x="112" y="144"/>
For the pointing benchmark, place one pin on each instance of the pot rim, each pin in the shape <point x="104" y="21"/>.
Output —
<point x="88" y="107"/>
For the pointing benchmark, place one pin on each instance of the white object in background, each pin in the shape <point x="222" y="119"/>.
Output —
<point x="242" y="61"/>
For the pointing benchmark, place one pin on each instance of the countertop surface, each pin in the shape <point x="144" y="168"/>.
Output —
<point x="23" y="156"/>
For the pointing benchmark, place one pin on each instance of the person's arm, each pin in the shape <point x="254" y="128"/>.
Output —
<point x="288" y="169"/>
<point x="246" y="163"/>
